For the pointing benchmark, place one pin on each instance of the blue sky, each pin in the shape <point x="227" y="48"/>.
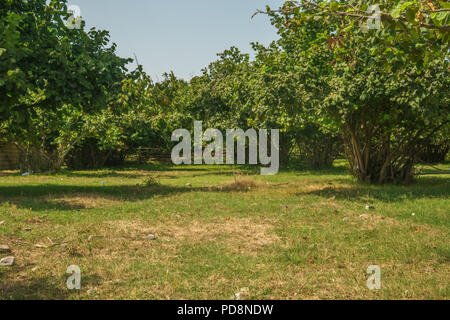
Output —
<point x="179" y="35"/>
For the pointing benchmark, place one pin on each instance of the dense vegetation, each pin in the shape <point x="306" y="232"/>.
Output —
<point x="331" y="85"/>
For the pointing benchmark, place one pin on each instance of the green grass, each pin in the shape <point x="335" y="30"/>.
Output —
<point x="296" y="235"/>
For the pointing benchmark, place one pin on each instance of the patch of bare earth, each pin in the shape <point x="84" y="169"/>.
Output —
<point x="241" y="235"/>
<point x="239" y="184"/>
<point x="83" y="201"/>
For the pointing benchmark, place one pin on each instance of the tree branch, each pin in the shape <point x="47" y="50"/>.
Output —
<point x="306" y="5"/>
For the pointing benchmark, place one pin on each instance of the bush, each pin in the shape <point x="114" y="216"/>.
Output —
<point x="89" y="156"/>
<point x="434" y="153"/>
<point x="151" y="182"/>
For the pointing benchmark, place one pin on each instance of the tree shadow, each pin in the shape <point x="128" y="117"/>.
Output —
<point x="94" y="174"/>
<point x="336" y="170"/>
<point x="37" y="197"/>
<point x="430" y="187"/>
<point x="127" y="171"/>
<point x="42" y="288"/>
<point x="57" y="197"/>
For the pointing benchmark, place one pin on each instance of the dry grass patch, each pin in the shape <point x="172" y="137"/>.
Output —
<point x="373" y="221"/>
<point x="239" y="184"/>
<point x="309" y="188"/>
<point x="238" y="235"/>
<point x="83" y="201"/>
<point x="67" y="202"/>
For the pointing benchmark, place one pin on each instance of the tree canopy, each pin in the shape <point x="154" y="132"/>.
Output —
<point x="335" y="83"/>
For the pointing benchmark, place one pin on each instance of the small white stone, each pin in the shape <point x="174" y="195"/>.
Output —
<point x="4" y="248"/>
<point x="242" y="294"/>
<point x="7" y="262"/>
<point x="151" y="237"/>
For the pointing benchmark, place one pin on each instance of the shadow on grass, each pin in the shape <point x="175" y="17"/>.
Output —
<point x="37" y="197"/>
<point x="430" y="187"/>
<point x="334" y="171"/>
<point x="46" y="196"/>
<point x="51" y="196"/>
<point x="43" y="288"/>
<point x="127" y="171"/>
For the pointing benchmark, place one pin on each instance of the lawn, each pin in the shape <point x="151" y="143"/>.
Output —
<point x="221" y="231"/>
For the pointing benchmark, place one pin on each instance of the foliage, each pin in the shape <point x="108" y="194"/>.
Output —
<point x="151" y="182"/>
<point x="331" y="85"/>
<point x="386" y="112"/>
<point x="51" y="77"/>
<point x="414" y="27"/>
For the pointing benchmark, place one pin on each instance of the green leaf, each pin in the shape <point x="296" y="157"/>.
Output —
<point x="334" y="6"/>
<point x="411" y="15"/>
<point x="407" y="4"/>
<point x="445" y="4"/>
<point x="396" y="12"/>
<point x="439" y="17"/>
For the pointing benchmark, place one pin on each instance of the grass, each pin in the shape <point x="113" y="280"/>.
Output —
<point x="222" y="230"/>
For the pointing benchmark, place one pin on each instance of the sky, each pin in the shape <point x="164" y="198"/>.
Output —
<point x="179" y="35"/>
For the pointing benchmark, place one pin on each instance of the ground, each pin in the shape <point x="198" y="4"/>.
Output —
<point x="220" y="231"/>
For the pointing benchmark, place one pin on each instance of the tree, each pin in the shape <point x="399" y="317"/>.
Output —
<point x="412" y="18"/>
<point x="49" y="72"/>
<point x="284" y="97"/>
<point x="385" y="109"/>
